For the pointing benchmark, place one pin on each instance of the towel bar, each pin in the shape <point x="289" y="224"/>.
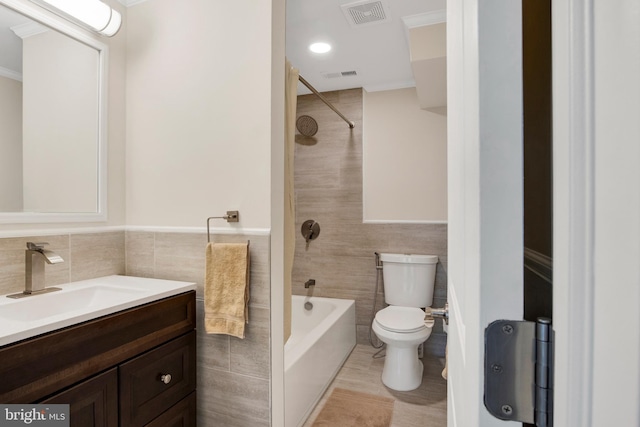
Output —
<point x="231" y="216"/>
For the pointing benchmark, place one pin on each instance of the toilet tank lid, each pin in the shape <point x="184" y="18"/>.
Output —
<point x="409" y="258"/>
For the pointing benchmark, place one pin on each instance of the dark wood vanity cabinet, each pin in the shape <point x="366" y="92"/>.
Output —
<point x="129" y="369"/>
<point x="156" y="380"/>
<point x="92" y="403"/>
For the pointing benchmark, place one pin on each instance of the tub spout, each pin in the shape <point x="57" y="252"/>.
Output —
<point x="310" y="282"/>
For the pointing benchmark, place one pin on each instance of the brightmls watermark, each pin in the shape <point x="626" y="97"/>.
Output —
<point x="34" y="415"/>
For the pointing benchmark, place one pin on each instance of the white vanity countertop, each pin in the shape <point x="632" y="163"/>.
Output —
<point x="78" y="302"/>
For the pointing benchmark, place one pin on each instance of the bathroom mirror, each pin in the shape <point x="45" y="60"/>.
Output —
<point x="52" y="118"/>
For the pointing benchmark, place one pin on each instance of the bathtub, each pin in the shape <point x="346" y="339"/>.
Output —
<point x="321" y="340"/>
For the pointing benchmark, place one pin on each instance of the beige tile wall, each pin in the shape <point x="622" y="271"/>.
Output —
<point x="86" y="256"/>
<point x="328" y="187"/>
<point x="233" y="374"/>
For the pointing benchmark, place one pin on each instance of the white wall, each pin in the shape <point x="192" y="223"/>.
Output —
<point x="10" y="145"/>
<point x="60" y="124"/>
<point x="428" y="49"/>
<point x="405" y="159"/>
<point x="198" y="112"/>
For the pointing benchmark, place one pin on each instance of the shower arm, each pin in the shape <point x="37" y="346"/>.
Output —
<point x="323" y="99"/>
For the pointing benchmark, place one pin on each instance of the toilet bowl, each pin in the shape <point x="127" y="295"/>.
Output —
<point x="402" y="329"/>
<point x="408" y="285"/>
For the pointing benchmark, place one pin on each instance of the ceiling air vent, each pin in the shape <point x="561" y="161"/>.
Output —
<point x="339" y="74"/>
<point x="367" y="12"/>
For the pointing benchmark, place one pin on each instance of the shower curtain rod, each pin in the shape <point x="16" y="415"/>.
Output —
<point x="323" y="99"/>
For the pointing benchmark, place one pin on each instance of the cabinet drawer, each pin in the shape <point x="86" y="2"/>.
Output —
<point x="146" y="390"/>
<point x="182" y="414"/>
<point x="92" y="403"/>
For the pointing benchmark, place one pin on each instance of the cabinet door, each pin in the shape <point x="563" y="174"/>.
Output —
<point x="155" y="381"/>
<point x="93" y="403"/>
<point x="182" y="414"/>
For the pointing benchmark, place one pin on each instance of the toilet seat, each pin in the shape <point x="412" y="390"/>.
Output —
<point x="401" y="319"/>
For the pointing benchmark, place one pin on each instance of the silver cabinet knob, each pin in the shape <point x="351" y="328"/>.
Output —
<point x="165" y="378"/>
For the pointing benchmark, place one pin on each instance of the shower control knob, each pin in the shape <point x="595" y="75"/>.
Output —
<point x="165" y="378"/>
<point x="310" y="230"/>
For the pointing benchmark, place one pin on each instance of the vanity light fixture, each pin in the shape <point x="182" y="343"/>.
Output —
<point x="93" y="14"/>
<point x="320" y="47"/>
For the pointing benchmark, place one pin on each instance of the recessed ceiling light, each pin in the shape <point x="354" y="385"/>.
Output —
<point x="320" y="47"/>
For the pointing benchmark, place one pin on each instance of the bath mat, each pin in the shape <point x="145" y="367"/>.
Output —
<point x="347" y="408"/>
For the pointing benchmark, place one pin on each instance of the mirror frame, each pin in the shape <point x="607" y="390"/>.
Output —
<point x="50" y="20"/>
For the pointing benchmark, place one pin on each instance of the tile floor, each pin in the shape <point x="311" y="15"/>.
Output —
<point x="423" y="407"/>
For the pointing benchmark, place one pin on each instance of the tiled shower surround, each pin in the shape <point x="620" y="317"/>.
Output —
<point x="233" y="374"/>
<point x="328" y="189"/>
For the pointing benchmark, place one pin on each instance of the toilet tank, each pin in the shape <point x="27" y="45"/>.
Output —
<point x="409" y="279"/>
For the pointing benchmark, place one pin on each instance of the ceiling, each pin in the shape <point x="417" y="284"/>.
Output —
<point x="378" y="52"/>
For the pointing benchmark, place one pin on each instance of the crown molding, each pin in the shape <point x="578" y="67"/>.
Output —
<point x="390" y="86"/>
<point x="128" y="3"/>
<point x="422" y="20"/>
<point x="427" y="18"/>
<point x="10" y="74"/>
<point x="28" y="29"/>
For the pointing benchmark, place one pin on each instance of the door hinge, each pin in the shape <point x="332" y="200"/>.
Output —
<point x="518" y="371"/>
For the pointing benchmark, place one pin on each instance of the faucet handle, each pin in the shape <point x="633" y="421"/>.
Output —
<point x="36" y="246"/>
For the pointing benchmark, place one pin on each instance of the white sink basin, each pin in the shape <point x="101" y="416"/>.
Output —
<point x="78" y="302"/>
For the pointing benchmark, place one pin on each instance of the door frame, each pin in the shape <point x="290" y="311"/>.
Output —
<point x="573" y="204"/>
<point x="596" y="60"/>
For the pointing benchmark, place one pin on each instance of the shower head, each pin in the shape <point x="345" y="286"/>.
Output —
<point x="307" y="125"/>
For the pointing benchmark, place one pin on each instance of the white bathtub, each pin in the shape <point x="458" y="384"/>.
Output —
<point x="321" y="340"/>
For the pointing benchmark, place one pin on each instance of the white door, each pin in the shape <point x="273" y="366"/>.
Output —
<point x="484" y="85"/>
<point x="596" y="62"/>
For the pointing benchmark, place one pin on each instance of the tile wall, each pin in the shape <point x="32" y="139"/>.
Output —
<point x="328" y="188"/>
<point x="233" y="374"/>
<point x="86" y="256"/>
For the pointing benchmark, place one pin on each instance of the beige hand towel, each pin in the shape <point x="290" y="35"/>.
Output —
<point x="226" y="288"/>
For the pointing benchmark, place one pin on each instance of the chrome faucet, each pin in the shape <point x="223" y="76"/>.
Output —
<point x="35" y="257"/>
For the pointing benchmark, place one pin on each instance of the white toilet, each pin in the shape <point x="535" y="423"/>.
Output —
<point x="408" y="286"/>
